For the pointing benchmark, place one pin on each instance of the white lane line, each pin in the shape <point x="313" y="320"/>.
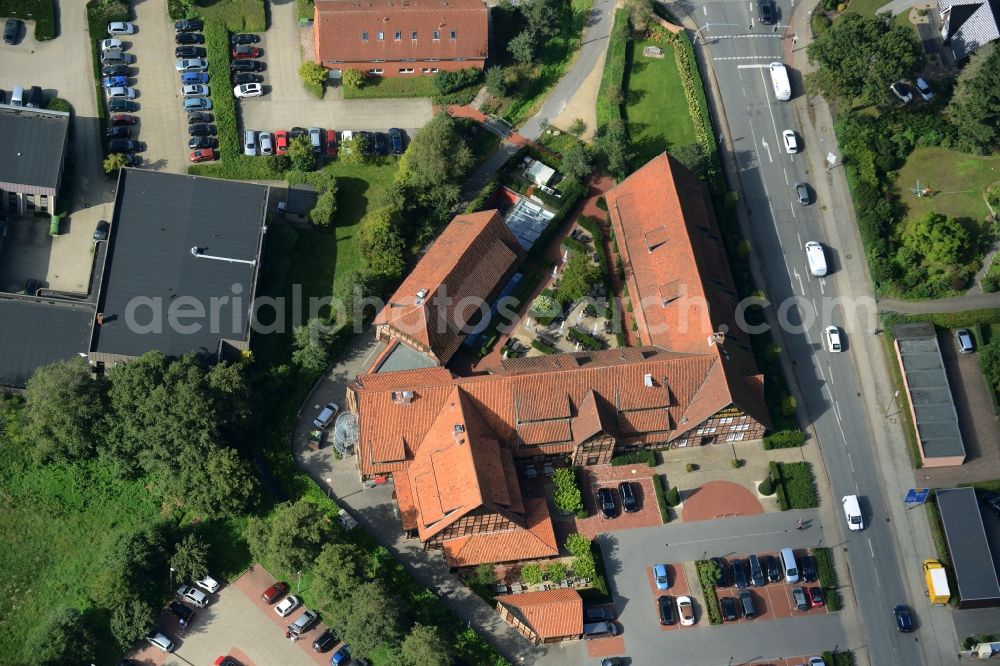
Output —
<point x="871" y="548"/>
<point x="850" y="461"/>
<point x="753" y="67"/>
<point x="785" y="171"/>
<point x="792" y="208"/>
<point x="802" y="287"/>
<point x="801" y="244"/>
<point x="836" y="405"/>
<point x="705" y="10"/>
<point x="822" y="286"/>
<point x="761" y="36"/>
<point x="770" y="157"/>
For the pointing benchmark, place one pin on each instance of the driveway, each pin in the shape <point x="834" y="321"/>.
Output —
<point x="287" y="104"/>
<point x="162" y="123"/>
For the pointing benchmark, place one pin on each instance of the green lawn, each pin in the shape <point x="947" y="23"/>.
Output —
<point x="865" y="7"/>
<point x="393" y="86"/>
<point x="656" y="108"/>
<point x="236" y="15"/>
<point x="958" y="181"/>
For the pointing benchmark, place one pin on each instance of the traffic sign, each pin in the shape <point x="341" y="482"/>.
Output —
<point x="917" y="495"/>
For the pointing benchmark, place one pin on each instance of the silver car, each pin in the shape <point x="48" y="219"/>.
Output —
<point x="191" y="65"/>
<point x="250" y="143"/>
<point x="194" y="90"/>
<point x="266" y="143"/>
<point x="963" y="337"/>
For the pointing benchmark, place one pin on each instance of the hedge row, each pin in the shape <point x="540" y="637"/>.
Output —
<point x="597" y="233"/>
<point x="779" y="489"/>
<point x="838" y="658"/>
<point x="42" y="12"/>
<point x="707" y="576"/>
<point x="635" y="457"/>
<point x="784" y="439"/>
<point x="661" y="499"/>
<point x="99" y="13"/>
<point x="795" y="485"/>
<point x="574" y="245"/>
<point x="694" y="93"/>
<point x="584" y="338"/>
<point x="484" y="195"/>
<point x="827" y="577"/>
<point x="543" y="347"/>
<point x="608" y="108"/>
<point x="601" y="578"/>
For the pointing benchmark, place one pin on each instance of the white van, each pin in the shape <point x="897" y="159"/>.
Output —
<point x="790" y="566"/>
<point x="17" y="96"/>
<point x="852" y="510"/>
<point x="816" y="258"/>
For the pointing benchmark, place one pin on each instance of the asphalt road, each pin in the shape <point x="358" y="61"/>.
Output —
<point x="741" y="50"/>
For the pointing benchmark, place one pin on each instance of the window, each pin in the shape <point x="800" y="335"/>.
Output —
<point x="44" y="202"/>
<point x="406" y="70"/>
<point x="734" y="437"/>
<point x="399" y="35"/>
<point x="364" y="36"/>
<point x="425" y="70"/>
<point x="454" y="34"/>
<point x="377" y="71"/>
<point x="434" y="70"/>
<point x="381" y="35"/>
<point x="413" y="35"/>
<point x="437" y="34"/>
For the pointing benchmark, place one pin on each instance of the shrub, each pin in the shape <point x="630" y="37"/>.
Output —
<point x="766" y="487"/>
<point x="313" y="77"/>
<point x="691" y="467"/>
<point x="531" y="574"/>
<point x="735" y="463"/>
<point x="42" y="12"/>
<point x="449" y="82"/>
<point x="827" y="577"/>
<point x="708" y="573"/>
<point x="613" y="78"/>
<point x="59" y="104"/>
<point x="543" y="347"/>
<point x="796" y="480"/>
<point x="784" y="439"/>
<point x="322" y="213"/>
<point x="673" y="496"/>
<point x="353" y="78"/>
<point x="661" y="501"/>
<point x="567" y="493"/>
<point x="573" y="245"/>
<point x="555" y="571"/>
<point x="635" y="457"/>
<point x="602" y="203"/>
<point x="820" y="23"/>
<point x="586" y="339"/>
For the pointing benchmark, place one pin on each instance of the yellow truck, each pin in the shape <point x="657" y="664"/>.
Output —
<point x="937" y="582"/>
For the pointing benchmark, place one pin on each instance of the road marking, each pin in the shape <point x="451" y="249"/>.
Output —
<point x="785" y="171"/>
<point x="836" y="405"/>
<point x="769" y="35"/>
<point x="792" y="208"/>
<point x="704" y="10"/>
<point x="850" y="461"/>
<point x="763" y="142"/>
<point x="820" y="368"/>
<point x="872" y="550"/>
<point x="822" y="286"/>
<point x="753" y="67"/>
<point x="799" y="236"/>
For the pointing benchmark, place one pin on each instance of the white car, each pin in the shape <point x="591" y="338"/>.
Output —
<point x="685" y="609"/>
<point x="249" y="143"/>
<point x="111" y="45"/>
<point x="192" y="65"/>
<point x="248" y="90"/>
<point x="159" y="640"/>
<point x="924" y="90"/>
<point x="121" y="28"/>
<point x="791" y="142"/>
<point x="901" y="91"/>
<point x="193" y="596"/>
<point x="832" y="334"/>
<point x="194" y="90"/>
<point x="208" y="584"/>
<point x="121" y="92"/>
<point x="266" y="143"/>
<point x="287" y="605"/>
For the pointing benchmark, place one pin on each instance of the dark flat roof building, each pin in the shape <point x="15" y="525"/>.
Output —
<point x="182" y="266"/>
<point x="32" y="153"/>
<point x="971" y="556"/>
<point x="39" y="331"/>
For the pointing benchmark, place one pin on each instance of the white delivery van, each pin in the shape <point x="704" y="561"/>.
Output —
<point x="852" y="511"/>
<point x="779" y="80"/>
<point x="816" y="258"/>
<point x="790" y="566"/>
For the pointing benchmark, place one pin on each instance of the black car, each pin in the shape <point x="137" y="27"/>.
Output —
<point x="189" y="52"/>
<point x="666" y="604"/>
<point x="296" y="132"/>
<point x="246" y="65"/>
<point x="32" y="286"/>
<point x="188" y="25"/>
<point x="629" y="501"/>
<point x="196" y="142"/>
<point x="124" y="146"/>
<point x="189" y="38"/>
<point x="740" y="574"/>
<point x="598" y="614"/>
<point x="122" y="106"/>
<point x="770" y="564"/>
<point x="381" y="145"/>
<point x="240" y="78"/>
<point x="117" y="132"/>
<point x="201" y="129"/>
<point x="992" y="500"/>
<point x="244" y="38"/>
<point x="116" y="70"/>
<point x="904" y="621"/>
<point x="132" y="160"/>
<point x="11" y="29"/>
<point x="183" y="613"/>
<point x="199" y="117"/>
<point x="728" y="606"/>
<point x="396" y="139"/>
<point x="807" y="568"/>
<point x="324" y="641"/>
<point x="606" y="502"/>
<point x="725" y="577"/>
<point x="765" y="12"/>
<point x="757" y="578"/>
<point x="101" y="232"/>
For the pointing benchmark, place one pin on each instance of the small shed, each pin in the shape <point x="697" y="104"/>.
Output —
<point x="298" y="201"/>
<point x="539" y="173"/>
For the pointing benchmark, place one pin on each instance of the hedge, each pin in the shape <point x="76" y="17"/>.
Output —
<point x="827" y="577"/>
<point x="838" y="658"/>
<point x="784" y="439"/>
<point x="573" y="245"/>
<point x="614" y="72"/>
<point x="774" y="473"/>
<point x="42" y="12"/>
<point x="543" y="347"/>
<point x="484" y="195"/>
<point x="234" y="15"/>
<point x="694" y="93"/>
<point x="635" y="458"/>
<point x="706" y="578"/>
<point x="661" y="500"/>
<point x="601" y="579"/>
<point x="795" y="481"/>
<point x="99" y="13"/>
<point x="584" y="338"/>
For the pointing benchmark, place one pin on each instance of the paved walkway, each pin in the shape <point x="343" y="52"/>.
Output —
<point x="897" y="7"/>
<point x="953" y="304"/>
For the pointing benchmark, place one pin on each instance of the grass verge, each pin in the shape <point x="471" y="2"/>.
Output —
<point x="828" y="578"/>
<point x="235" y="15"/>
<point x="42" y="12"/>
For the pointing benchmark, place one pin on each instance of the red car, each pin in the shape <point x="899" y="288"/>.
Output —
<point x="274" y="593"/>
<point x="123" y="119"/>
<point x="816" y="599"/>
<point x="244" y="51"/>
<point x="280" y="142"/>
<point x="331" y="143"/>
<point x="203" y="155"/>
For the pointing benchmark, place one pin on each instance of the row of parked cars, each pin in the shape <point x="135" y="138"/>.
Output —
<point x="285" y="604"/>
<point x="324" y="141"/>
<point x="196" y="595"/>
<point x="606" y="500"/>
<point x="116" y="73"/>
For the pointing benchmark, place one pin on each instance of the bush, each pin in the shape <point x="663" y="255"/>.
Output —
<point x="613" y="78"/>
<point x="673" y="497"/>
<point x="784" y="439"/>
<point x="691" y="467"/>
<point x="531" y="574"/>
<point x="353" y="78"/>
<point x="322" y="213"/>
<point x="635" y="457"/>
<point x="766" y="487"/>
<point x="567" y="496"/>
<point x="736" y="463"/>
<point x="449" y="82"/>
<point x="313" y="77"/>
<point x="573" y="245"/>
<point x="586" y="339"/>
<point x="543" y="347"/>
<point x="796" y="480"/>
<point x="827" y="577"/>
<point x="708" y="573"/>
<point x="59" y="104"/>
<point x="661" y="501"/>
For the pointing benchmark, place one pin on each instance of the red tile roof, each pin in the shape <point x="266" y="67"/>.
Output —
<point x="534" y="541"/>
<point x="550" y="613"/>
<point x="465" y="265"/>
<point x="339" y="24"/>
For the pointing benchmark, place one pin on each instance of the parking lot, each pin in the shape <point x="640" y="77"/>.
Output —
<point x="606" y="476"/>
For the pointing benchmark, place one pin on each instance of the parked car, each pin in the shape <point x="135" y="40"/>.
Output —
<point x="266" y="143"/>
<point x="807" y="568"/>
<point x="188" y="25"/>
<point x="666" y="605"/>
<point x="197" y="104"/>
<point x="114" y="81"/>
<point x="245" y="51"/>
<point x="116" y="57"/>
<point x="725" y="577"/>
<point x="193" y="596"/>
<point x="281" y="142"/>
<point x="250" y="147"/>
<point x="992" y="500"/>
<point x="303" y="623"/>
<point x="660" y="576"/>
<point x="331" y="143"/>
<point x="132" y="160"/>
<point x="396" y="139"/>
<point x="772" y="568"/>
<point x="192" y="65"/>
<point x="801" y="193"/>
<point x="325" y="641"/>
<point x="121" y="92"/>
<point x="201" y="142"/>
<point x="902" y="92"/>
<point x="316" y="139"/>
<point x="606" y="502"/>
<point x="273" y="593"/>
<point x="341" y="656"/>
<point x="326" y="415"/>
<point x="190" y="52"/>
<point x="193" y="78"/>
<point x="296" y="132"/>
<point x="816" y="598"/>
<point x="244" y="38"/>
<point x="183" y="614"/>
<point x="904" y="620"/>
<point x="226" y="660"/>
<point x="963" y="337"/>
<point x="287" y="605"/>
<point x="111" y="45"/>
<point x="199" y="117"/>
<point x="629" y="502"/>
<point x="123" y="119"/>
<point x="11" y="29"/>
<point x="116" y="70"/>
<point x="189" y="38"/>
<point x="799" y="599"/>
<point x="740" y="574"/>
<point x="757" y="577"/>
<point x="101" y="232"/>
<point x="685" y="608"/>
<point x="202" y="155"/>
<point x="246" y="65"/>
<point x="598" y="614"/>
<point x="195" y="90"/>
<point x="248" y="90"/>
<point x="119" y="105"/>
<point x="246" y="77"/>
<point x="117" y="132"/>
<point x="121" y="28"/>
<point x="728" y="606"/>
<point x="924" y="90"/>
<point x="381" y="145"/>
<point x="765" y="12"/>
<point x="791" y="141"/>
<point x="158" y="640"/>
<point x="201" y="129"/>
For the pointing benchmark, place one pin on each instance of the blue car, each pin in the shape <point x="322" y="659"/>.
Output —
<point x="341" y="656"/>
<point x="190" y="78"/>
<point x="115" y="81"/>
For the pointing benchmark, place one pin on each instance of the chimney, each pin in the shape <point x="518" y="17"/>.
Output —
<point x="421" y="295"/>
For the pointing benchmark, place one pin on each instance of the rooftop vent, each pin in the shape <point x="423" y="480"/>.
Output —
<point x="647" y="380"/>
<point x="421" y="295"/>
<point x="457" y="431"/>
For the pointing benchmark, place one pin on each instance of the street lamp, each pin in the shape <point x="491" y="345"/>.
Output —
<point x="171" y="577"/>
<point x="298" y="583"/>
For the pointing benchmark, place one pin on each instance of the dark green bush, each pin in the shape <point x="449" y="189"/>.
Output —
<point x="673" y="496"/>
<point x="784" y="439"/>
<point x="635" y="458"/>
<point x="795" y="481"/>
<point x="542" y="347"/>
<point x="661" y="500"/>
<point x="584" y="338"/>
<point x="766" y="487"/>
<point x="449" y="82"/>
<point x="708" y="573"/>
<point x="573" y="245"/>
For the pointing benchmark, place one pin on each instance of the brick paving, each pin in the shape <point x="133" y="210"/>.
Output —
<point x="678" y="588"/>
<point x="606" y="647"/>
<point x="607" y="476"/>
<point x="719" y="499"/>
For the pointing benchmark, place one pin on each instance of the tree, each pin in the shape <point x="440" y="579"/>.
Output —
<point x="576" y="162"/>
<point x="311" y="345"/>
<point x="522" y="47"/>
<point x="369" y="620"/>
<point x="531" y="574"/>
<point x="313" y="73"/>
<point x="322" y="213"/>
<point x="353" y="78"/>
<point x="859" y="57"/>
<point x="989" y="362"/>
<point x="217" y="483"/>
<point x="62" y="639"/>
<point x="438" y="154"/>
<point x="356" y="150"/>
<point x="424" y="646"/>
<point x="639" y="13"/>
<point x="301" y="153"/>
<point x="567" y="494"/>
<point x="382" y="246"/>
<point x="556" y="571"/>
<point x="614" y="146"/>
<point x="939" y="238"/>
<point x="583" y="555"/>
<point x="696" y="159"/>
<point x="292" y="538"/>
<point x="496" y="81"/>
<point x="578" y="278"/>
<point x="578" y="127"/>
<point x="974" y="110"/>
<point x="113" y="162"/>
<point x="541" y="16"/>
<point x="131" y="620"/>
<point x="133" y="563"/>
<point x="673" y="497"/>
<point x="190" y="558"/>
<point x="63" y="405"/>
<point x="336" y="572"/>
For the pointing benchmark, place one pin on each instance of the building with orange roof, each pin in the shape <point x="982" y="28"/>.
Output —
<point x="549" y="616"/>
<point x="401" y="37"/>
